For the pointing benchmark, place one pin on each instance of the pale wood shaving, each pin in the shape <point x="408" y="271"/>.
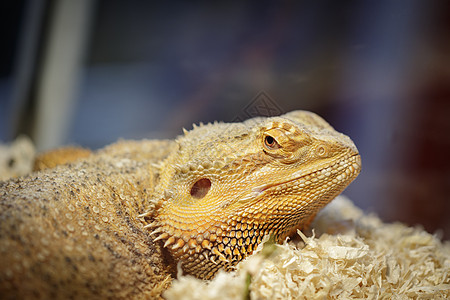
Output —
<point x="16" y="158"/>
<point x="348" y="255"/>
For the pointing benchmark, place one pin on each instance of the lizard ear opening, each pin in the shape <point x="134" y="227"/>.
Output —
<point x="201" y="188"/>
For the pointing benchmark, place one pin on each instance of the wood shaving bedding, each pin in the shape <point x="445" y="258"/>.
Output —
<point x="349" y="255"/>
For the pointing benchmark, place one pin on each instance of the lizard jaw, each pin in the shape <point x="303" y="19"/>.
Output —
<point x="351" y="164"/>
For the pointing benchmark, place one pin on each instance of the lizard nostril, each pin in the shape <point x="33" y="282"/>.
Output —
<point x="321" y="151"/>
<point x="201" y="188"/>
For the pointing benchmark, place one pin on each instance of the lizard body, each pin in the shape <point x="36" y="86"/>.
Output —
<point x="118" y="222"/>
<point x="72" y="231"/>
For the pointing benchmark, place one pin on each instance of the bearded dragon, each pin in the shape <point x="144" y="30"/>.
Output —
<point x="118" y="222"/>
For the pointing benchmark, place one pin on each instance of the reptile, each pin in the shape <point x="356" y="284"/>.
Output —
<point x="121" y="221"/>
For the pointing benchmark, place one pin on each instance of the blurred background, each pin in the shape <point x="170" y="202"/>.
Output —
<point x="89" y="72"/>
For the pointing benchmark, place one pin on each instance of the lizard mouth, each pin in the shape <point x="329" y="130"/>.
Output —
<point x="342" y="172"/>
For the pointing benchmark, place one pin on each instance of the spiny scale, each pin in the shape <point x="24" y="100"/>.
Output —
<point x="161" y="237"/>
<point x="169" y="241"/>
<point x="146" y="214"/>
<point x="157" y="230"/>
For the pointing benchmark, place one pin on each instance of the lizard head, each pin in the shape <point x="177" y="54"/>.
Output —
<point x="230" y="184"/>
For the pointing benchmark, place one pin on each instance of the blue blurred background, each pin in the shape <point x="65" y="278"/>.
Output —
<point x="89" y="72"/>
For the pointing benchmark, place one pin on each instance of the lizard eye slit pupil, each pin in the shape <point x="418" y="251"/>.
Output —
<point x="200" y="188"/>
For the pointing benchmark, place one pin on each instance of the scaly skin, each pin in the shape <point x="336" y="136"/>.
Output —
<point x="60" y="156"/>
<point x="206" y="200"/>
<point x="73" y="232"/>
<point x="229" y="185"/>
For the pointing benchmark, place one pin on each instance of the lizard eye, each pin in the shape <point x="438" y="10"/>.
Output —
<point x="270" y="143"/>
<point x="200" y="188"/>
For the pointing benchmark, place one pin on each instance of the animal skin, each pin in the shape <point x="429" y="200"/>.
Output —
<point x="118" y="223"/>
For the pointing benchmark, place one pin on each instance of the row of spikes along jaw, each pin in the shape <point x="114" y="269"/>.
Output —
<point x="209" y="232"/>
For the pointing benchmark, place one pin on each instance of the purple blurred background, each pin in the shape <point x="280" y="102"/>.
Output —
<point x="90" y="72"/>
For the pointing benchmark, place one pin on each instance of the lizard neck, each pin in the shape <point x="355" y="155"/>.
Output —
<point x="217" y="242"/>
